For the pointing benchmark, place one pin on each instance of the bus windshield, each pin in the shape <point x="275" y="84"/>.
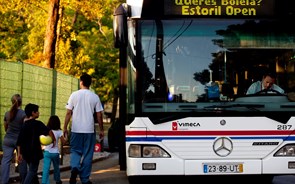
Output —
<point x="207" y="64"/>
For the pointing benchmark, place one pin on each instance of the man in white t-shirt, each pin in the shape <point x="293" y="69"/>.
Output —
<point x="81" y="107"/>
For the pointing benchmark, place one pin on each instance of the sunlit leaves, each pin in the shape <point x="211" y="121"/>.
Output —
<point x="85" y="43"/>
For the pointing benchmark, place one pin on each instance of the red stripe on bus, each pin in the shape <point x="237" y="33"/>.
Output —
<point x="216" y="133"/>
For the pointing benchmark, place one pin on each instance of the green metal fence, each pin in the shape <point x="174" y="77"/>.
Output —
<point x="45" y="87"/>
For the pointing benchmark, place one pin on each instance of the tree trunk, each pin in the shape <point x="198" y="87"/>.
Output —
<point x="58" y="29"/>
<point x="50" y="36"/>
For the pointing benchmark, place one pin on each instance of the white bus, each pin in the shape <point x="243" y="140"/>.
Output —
<point x="185" y="68"/>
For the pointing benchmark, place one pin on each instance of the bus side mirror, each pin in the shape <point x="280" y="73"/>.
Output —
<point x="120" y="25"/>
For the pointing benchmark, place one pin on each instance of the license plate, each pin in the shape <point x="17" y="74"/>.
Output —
<point x="223" y="168"/>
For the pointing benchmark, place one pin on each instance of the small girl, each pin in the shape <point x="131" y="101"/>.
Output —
<point x="51" y="153"/>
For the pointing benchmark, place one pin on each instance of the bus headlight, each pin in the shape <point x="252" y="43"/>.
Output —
<point x="288" y="150"/>
<point x="147" y="151"/>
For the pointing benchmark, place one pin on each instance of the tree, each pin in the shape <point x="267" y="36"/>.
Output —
<point x="51" y="34"/>
<point x="77" y="39"/>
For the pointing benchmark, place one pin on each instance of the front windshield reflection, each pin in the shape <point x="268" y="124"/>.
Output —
<point x="212" y="61"/>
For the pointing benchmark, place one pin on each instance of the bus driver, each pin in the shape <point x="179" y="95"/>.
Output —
<point x="267" y="83"/>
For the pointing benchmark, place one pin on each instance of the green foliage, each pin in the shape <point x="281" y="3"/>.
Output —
<point x="13" y="33"/>
<point x="85" y="42"/>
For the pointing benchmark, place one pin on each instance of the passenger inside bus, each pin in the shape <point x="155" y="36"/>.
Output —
<point x="267" y="84"/>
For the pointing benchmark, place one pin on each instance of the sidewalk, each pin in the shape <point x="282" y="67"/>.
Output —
<point x="14" y="176"/>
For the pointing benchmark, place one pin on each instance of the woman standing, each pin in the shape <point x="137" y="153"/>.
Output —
<point x="13" y="122"/>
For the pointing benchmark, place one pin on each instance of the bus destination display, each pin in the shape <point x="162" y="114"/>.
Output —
<point x="239" y="8"/>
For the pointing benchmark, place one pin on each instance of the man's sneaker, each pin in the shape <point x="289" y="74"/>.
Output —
<point x="74" y="174"/>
